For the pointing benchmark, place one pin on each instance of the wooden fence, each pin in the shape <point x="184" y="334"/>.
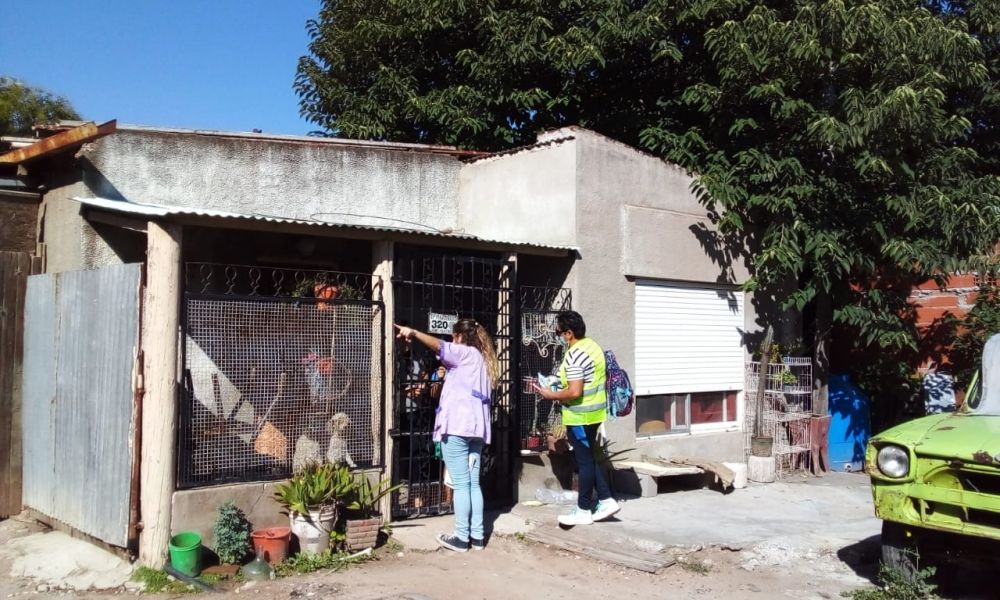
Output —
<point x="15" y="267"/>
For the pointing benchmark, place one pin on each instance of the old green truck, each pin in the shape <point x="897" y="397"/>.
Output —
<point x="936" y="480"/>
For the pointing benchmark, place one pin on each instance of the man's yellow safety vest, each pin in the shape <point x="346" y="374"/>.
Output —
<point x="592" y="406"/>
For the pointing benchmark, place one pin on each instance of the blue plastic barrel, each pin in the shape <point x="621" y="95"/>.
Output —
<point x="850" y="424"/>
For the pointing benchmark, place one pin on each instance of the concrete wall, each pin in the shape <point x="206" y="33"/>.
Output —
<point x="72" y="243"/>
<point x="637" y="217"/>
<point x="196" y="510"/>
<point x="321" y="180"/>
<point x="526" y="197"/>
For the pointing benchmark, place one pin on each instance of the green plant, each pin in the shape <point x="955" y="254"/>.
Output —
<point x="155" y="581"/>
<point x="303" y="563"/>
<point x="894" y="585"/>
<point x="232" y="534"/>
<point x="786" y="377"/>
<point x="364" y="498"/>
<point x="696" y="567"/>
<point x="317" y="484"/>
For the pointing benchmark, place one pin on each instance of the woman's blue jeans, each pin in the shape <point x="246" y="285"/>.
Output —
<point x="462" y="456"/>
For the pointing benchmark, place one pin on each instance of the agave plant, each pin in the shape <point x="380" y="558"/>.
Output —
<point x="317" y="484"/>
<point x="365" y="497"/>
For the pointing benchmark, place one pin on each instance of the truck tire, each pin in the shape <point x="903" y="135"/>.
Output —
<point x="900" y="550"/>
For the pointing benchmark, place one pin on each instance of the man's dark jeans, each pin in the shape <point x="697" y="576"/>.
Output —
<point x="584" y="440"/>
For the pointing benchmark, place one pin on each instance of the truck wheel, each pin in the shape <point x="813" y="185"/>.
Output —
<point x="900" y="550"/>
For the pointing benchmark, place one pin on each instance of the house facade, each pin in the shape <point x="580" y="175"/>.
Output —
<point x="254" y="280"/>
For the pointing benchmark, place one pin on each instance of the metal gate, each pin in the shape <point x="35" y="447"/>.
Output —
<point x="79" y="419"/>
<point x="540" y="353"/>
<point x="431" y="289"/>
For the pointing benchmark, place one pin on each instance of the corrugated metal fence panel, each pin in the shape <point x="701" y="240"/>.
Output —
<point x="15" y="267"/>
<point x="39" y="391"/>
<point x="688" y="339"/>
<point x="91" y="421"/>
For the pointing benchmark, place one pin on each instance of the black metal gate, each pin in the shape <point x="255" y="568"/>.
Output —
<point x="431" y="289"/>
<point x="540" y="353"/>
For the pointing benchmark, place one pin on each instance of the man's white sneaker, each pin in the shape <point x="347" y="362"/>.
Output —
<point x="576" y="517"/>
<point x="606" y="509"/>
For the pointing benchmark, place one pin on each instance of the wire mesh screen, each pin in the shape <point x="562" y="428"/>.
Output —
<point x="272" y="383"/>
<point x="540" y="353"/>
<point x="786" y="412"/>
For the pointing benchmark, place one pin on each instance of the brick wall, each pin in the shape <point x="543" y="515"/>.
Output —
<point x="957" y="298"/>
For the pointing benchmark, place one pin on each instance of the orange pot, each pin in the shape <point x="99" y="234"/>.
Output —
<point x="272" y="542"/>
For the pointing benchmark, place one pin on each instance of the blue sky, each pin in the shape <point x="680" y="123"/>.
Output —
<point x="209" y="64"/>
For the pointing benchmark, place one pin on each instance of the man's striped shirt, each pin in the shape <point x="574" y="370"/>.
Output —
<point x="579" y="365"/>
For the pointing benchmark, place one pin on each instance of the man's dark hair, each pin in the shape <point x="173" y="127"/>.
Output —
<point x="570" y="320"/>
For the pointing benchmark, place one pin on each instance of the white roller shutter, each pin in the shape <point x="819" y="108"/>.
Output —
<point x="687" y="339"/>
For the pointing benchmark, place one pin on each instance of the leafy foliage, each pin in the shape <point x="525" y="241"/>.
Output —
<point x="363" y="501"/>
<point x="232" y="534"/>
<point x="303" y="563"/>
<point x="315" y="485"/>
<point x="897" y="586"/>
<point x="22" y="107"/>
<point x="982" y="322"/>
<point x="852" y="147"/>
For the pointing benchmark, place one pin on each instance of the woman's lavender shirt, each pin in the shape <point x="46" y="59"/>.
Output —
<point x="464" y="408"/>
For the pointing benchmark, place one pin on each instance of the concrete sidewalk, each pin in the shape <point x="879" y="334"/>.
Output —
<point x="793" y="522"/>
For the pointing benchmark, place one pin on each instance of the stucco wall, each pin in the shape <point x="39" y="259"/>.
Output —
<point x="306" y="180"/>
<point x="72" y="244"/>
<point x="526" y="197"/>
<point x="637" y="217"/>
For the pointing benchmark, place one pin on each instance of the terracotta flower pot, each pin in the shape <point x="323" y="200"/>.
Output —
<point x="325" y="291"/>
<point x="272" y="543"/>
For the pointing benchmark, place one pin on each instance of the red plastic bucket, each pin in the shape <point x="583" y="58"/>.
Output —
<point x="272" y="542"/>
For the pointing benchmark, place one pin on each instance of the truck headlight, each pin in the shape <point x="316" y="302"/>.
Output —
<point x="893" y="461"/>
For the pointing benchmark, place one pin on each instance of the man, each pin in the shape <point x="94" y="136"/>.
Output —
<point x="584" y="407"/>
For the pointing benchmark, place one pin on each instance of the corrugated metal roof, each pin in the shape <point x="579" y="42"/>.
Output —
<point x="163" y="211"/>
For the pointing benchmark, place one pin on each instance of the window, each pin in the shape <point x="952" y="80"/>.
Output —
<point x="680" y="413"/>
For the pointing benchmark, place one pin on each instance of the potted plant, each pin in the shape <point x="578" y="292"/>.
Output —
<point x="232" y="535"/>
<point x="364" y="520"/>
<point x="310" y="497"/>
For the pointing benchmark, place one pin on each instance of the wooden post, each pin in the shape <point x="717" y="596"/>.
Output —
<point x="382" y="262"/>
<point x="160" y="329"/>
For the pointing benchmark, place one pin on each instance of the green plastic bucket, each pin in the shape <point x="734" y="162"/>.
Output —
<point x="185" y="553"/>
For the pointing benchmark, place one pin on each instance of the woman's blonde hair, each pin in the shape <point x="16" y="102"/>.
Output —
<point x="475" y="335"/>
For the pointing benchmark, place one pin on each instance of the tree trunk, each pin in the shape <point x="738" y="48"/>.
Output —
<point x="821" y="358"/>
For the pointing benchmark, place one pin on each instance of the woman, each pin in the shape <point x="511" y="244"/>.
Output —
<point x="462" y="422"/>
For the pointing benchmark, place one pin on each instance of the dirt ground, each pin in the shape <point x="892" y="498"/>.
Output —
<point x="509" y="568"/>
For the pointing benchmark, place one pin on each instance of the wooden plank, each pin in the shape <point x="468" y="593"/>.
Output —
<point x="60" y="142"/>
<point x="161" y="315"/>
<point x="14" y="500"/>
<point x="658" y="470"/>
<point x="633" y="559"/>
<point x="382" y="267"/>
<point x="6" y="373"/>
<point x="722" y="473"/>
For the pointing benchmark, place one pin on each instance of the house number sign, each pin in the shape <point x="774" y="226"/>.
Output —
<point x="441" y="324"/>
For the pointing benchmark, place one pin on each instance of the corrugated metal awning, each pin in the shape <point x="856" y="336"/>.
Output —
<point x="160" y="211"/>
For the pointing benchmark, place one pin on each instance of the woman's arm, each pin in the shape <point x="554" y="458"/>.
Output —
<point x="408" y="333"/>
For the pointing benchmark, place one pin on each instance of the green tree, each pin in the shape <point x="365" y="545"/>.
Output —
<point x="840" y="140"/>
<point x="488" y="74"/>
<point x="851" y="145"/>
<point x="23" y="106"/>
